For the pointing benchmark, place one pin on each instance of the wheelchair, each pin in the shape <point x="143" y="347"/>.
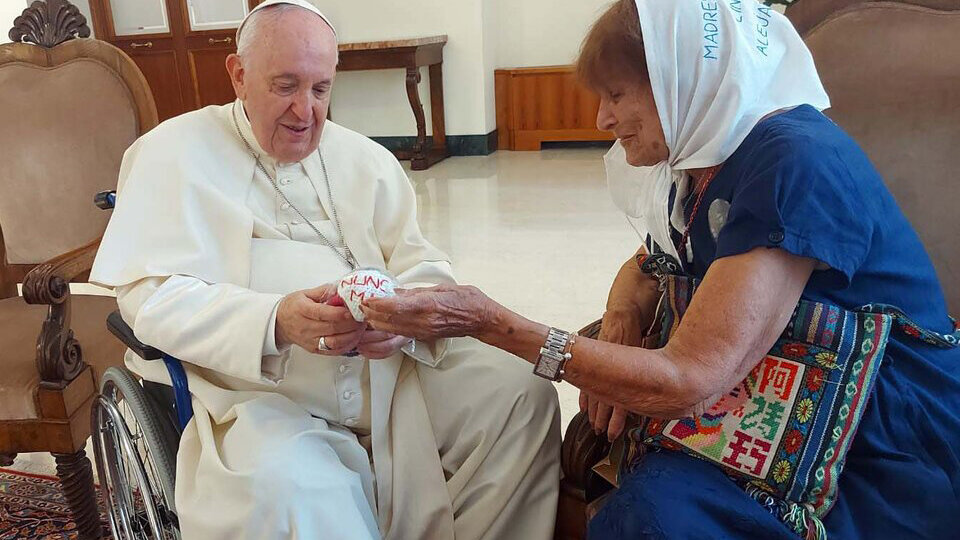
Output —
<point x="136" y="427"/>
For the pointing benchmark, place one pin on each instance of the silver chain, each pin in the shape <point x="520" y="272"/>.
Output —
<point x="346" y="255"/>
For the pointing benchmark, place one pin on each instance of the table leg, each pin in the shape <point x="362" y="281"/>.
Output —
<point x="419" y="159"/>
<point x="436" y="108"/>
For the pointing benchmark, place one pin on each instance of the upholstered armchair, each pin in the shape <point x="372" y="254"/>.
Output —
<point x="892" y="70"/>
<point x="70" y="107"/>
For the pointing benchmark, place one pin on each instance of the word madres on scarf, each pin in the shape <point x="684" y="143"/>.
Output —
<point x="711" y="30"/>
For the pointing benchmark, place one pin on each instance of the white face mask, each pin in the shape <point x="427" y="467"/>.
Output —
<point x="626" y="184"/>
<point x="642" y="193"/>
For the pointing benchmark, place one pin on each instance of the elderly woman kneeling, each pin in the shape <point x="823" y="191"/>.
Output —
<point x="795" y="322"/>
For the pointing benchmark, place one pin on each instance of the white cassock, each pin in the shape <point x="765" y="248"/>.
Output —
<point x="454" y="439"/>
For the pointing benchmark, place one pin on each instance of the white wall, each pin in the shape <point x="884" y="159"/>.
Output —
<point x="543" y="32"/>
<point x="9" y="10"/>
<point x="490" y="17"/>
<point x="484" y="35"/>
<point x="375" y="103"/>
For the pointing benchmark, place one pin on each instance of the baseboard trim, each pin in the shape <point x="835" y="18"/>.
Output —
<point x="459" y="145"/>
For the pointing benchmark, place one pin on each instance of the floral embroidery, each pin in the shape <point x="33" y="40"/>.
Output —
<point x="781" y="471"/>
<point x="793" y="442"/>
<point x="815" y="379"/>
<point x="827" y="359"/>
<point x="795" y="350"/>
<point x="785" y="431"/>
<point x="804" y="410"/>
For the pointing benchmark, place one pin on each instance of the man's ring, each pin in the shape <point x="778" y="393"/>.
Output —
<point x="322" y="344"/>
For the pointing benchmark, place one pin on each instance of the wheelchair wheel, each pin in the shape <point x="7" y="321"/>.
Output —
<point x="135" y="449"/>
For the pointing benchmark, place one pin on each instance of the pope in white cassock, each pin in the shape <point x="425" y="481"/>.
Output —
<point x="231" y="223"/>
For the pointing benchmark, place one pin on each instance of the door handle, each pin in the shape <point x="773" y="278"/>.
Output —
<point x="148" y="44"/>
<point x="226" y="40"/>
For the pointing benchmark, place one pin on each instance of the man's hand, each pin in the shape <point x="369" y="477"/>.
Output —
<point x="630" y="308"/>
<point x="304" y="317"/>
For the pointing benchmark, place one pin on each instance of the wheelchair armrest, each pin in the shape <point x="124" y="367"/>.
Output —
<point x="124" y="333"/>
<point x="178" y="377"/>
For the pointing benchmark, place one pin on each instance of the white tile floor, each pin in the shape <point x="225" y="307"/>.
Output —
<point x="535" y="230"/>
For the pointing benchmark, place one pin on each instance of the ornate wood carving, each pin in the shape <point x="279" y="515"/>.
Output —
<point x="581" y="450"/>
<point x="8" y="283"/>
<point x="49" y="23"/>
<point x="413" y="94"/>
<point x="76" y="478"/>
<point x="59" y="357"/>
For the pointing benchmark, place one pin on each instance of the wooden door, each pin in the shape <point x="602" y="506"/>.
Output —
<point x="180" y="45"/>
<point x="211" y="27"/>
<point x="143" y="29"/>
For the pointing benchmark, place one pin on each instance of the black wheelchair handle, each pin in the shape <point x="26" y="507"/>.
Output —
<point x="124" y="333"/>
<point x="105" y="200"/>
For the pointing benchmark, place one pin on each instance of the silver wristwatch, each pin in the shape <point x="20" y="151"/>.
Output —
<point x="554" y="355"/>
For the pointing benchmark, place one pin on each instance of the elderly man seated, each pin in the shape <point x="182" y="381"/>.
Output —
<point x="231" y="224"/>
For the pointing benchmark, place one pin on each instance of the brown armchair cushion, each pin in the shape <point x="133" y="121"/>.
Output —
<point x="20" y="325"/>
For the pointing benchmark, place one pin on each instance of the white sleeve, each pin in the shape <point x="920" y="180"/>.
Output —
<point x="222" y="327"/>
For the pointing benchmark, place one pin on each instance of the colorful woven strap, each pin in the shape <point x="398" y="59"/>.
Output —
<point x="906" y="325"/>
<point x="662" y="265"/>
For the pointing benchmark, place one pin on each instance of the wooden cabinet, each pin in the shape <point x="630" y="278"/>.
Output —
<point x="180" y="45"/>
<point x="540" y="104"/>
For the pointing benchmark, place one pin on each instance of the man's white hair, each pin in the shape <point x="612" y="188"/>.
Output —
<point x="253" y="27"/>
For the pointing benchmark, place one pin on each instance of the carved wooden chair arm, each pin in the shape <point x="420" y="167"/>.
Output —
<point x="59" y="358"/>
<point x="48" y="282"/>
<point x="582" y="448"/>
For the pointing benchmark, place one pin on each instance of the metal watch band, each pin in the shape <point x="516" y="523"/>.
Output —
<point x="553" y="355"/>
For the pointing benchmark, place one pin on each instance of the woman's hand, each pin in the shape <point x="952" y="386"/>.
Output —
<point x="377" y="345"/>
<point x="630" y="309"/>
<point x="304" y="317"/>
<point x="632" y="298"/>
<point x="622" y="327"/>
<point x="432" y="313"/>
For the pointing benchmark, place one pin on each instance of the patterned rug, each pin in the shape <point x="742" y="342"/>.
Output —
<point x="33" y="507"/>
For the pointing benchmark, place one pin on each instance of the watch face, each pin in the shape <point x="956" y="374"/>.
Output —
<point x="547" y="367"/>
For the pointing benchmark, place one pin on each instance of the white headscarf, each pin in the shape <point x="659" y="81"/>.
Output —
<point x="717" y="67"/>
<point x="299" y="3"/>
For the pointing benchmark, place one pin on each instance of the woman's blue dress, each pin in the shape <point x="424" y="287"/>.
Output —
<point x="799" y="183"/>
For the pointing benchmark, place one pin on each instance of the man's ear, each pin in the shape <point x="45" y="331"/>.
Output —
<point x="237" y="74"/>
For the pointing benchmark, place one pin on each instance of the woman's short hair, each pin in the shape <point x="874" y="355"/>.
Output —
<point x="613" y="49"/>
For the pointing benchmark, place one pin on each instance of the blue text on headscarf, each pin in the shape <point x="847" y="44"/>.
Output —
<point x="737" y="7"/>
<point x="710" y="29"/>
<point x="763" y="21"/>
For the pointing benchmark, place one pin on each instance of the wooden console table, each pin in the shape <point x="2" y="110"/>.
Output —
<point x="409" y="54"/>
